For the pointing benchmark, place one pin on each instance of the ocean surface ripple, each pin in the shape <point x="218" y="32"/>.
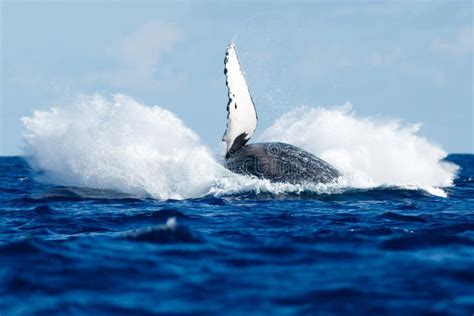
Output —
<point x="78" y="251"/>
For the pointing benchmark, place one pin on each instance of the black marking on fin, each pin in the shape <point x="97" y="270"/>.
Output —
<point x="239" y="142"/>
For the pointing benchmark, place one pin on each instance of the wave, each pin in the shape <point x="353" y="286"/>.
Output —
<point x="120" y="144"/>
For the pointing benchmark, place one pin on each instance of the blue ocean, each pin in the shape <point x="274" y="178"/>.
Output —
<point x="76" y="251"/>
<point x="117" y="208"/>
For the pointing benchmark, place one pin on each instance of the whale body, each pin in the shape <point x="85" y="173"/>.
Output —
<point x="280" y="162"/>
<point x="275" y="161"/>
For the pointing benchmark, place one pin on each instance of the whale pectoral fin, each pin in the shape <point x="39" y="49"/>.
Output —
<point x="241" y="113"/>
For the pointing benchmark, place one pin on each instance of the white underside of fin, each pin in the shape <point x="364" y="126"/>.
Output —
<point x="241" y="114"/>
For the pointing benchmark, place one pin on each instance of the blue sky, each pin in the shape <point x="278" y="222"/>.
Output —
<point x="407" y="60"/>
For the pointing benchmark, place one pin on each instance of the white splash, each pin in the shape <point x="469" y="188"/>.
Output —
<point x="367" y="151"/>
<point x="119" y="144"/>
<point x="122" y="145"/>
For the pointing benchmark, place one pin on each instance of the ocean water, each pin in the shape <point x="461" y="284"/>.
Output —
<point x="76" y="251"/>
<point x="118" y="208"/>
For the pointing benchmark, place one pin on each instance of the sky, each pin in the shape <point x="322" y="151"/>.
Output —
<point x="409" y="60"/>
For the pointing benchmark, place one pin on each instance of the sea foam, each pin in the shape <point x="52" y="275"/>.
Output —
<point x="120" y="144"/>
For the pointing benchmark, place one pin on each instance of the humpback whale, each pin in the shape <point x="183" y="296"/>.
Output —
<point x="277" y="162"/>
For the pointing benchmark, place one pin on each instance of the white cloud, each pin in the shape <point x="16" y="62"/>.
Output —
<point x="138" y="56"/>
<point x="384" y="59"/>
<point x="462" y="44"/>
<point x="143" y="47"/>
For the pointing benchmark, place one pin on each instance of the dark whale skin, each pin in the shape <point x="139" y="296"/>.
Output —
<point x="280" y="162"/>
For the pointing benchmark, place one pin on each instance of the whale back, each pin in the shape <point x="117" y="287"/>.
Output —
<point x="280" y="162"/>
